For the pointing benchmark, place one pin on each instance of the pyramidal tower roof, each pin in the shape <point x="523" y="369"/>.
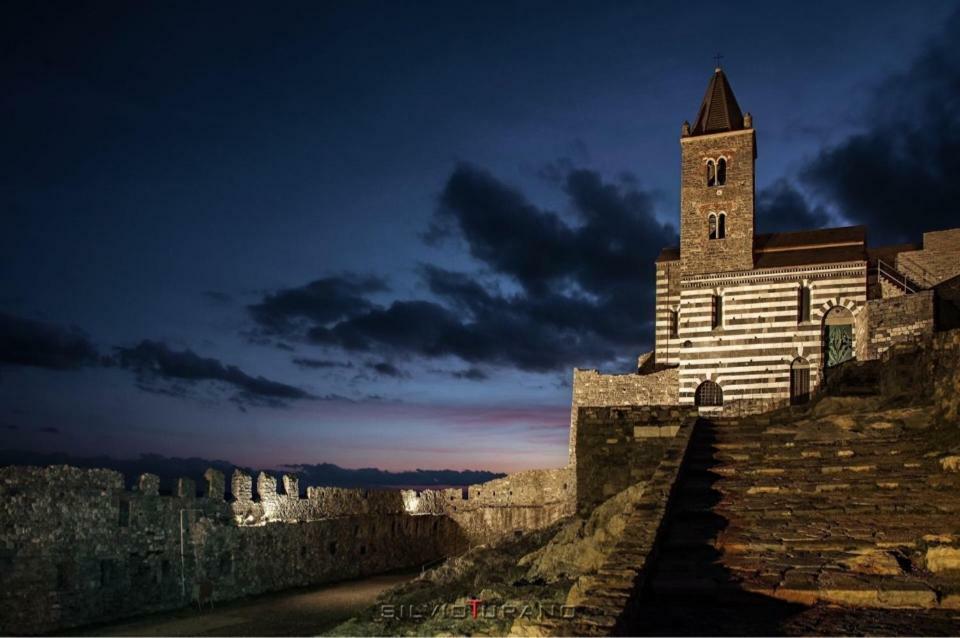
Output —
<point x="719" y="111"/>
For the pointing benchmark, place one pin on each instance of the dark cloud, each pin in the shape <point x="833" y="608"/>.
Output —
<point x="48" y="430"/>
<point x="470" y="374"/>
<point x="586" y="288"/>
<point x="319" y="302"/>
<point x="163" y="370"/>
<point x="306" y="362"/>
<point x="782" y="207"/>
<point x="386" y="369"/>
<point x="898" y="172"/>
<point x="26" y="342"/>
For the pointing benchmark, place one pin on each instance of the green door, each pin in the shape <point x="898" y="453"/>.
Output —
<point x="839" y="344"/>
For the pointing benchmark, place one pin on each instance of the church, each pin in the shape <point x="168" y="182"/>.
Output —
<point x="746" y="321"/>
<point x="759" y="317"/>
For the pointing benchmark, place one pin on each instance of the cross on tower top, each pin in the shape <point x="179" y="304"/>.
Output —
<point x="717" y="59"/>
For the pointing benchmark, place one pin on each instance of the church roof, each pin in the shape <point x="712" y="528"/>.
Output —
<point x="719" y="111"/>
<point x="826" y="245"/>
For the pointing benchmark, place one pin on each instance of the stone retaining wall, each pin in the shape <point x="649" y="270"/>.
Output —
<point x="76" y="547"/>
<point x="939" y="259"/>
<point x="591" y="388"/>
<point x="888" y="322"/>
<point x="620" y="446"/>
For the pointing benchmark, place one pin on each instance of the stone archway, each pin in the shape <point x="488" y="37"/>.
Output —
<point x="837" y="336"/>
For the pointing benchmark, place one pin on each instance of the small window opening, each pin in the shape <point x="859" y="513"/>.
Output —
<point x="674" y="324"/>
<point x="711" y="173"/>
<point x="712" y="226"/>
<point x="717" y="319"/>
<point x="721" y="225"/>
<point x="721" y="172"/>
<point x="803" y="304"/>
<point x="332" y="548"/>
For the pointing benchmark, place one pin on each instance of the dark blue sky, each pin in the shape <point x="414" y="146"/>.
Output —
<point x="383" y="233"/>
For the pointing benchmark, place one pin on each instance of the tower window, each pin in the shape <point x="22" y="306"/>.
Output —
<point x="711" y="173"/>
<point x="717" y="315"/>
<point x="674" y="324"/>
<point x="712" y="226"/>
<point x="721" y="171"/>
<point x="803" y="304"/>
<point x="721" y="225"/>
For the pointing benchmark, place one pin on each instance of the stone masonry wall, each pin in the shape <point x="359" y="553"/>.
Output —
<point x="620" y="446"/>
<point x="930" y="369"/>
<point x="939" y="259"/>
<point x="885" y="323"/>
<point x="591" y="388"/>
<point x="76" y="547"/>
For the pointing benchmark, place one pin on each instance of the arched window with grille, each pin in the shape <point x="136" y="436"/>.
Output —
<point x="708" y="394"/>
<point x="711" y="173"/>
<point x="721" y="171"/>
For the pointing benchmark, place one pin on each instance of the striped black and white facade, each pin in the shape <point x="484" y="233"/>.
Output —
<point x="761" y="330"/>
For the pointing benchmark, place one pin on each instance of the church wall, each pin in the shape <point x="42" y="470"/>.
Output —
<point x="749" y="356"/>
<point x="668" y="300"/>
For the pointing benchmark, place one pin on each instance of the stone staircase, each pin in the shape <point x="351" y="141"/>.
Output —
<point x="850" y="500"/>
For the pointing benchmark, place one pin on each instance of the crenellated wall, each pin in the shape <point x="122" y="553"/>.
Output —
<point x="76" y="547"/>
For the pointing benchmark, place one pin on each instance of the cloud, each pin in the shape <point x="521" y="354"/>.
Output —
<point x="319" y="302"/>
<point x="386" y="369"/>
<point x="898" y="172"/>
<point x="25" y="342"/>
<point x="161" y="369"/>
<point x="470" y="374"/>
<point x="48" y="430"/>
<point x="781" y="207"/>
<point x="586" y="287"/>
<point x="306" y="362"/>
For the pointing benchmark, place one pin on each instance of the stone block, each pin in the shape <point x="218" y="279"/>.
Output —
<point x="149" y="484"/>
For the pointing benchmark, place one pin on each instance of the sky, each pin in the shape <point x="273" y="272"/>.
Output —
<point x="382" y="234"/>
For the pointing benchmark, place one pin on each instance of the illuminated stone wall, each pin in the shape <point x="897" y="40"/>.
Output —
<point x="76" y="547"/>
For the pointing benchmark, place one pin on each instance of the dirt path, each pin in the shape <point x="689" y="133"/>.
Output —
<point x="303" y="612"/>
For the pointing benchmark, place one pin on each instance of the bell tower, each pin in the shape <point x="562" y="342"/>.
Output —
<point x="718" y="158"/>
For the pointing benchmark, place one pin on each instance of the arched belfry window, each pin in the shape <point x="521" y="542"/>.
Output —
<point x="721" y="225"/>
<point x="721" y="171"/>
<point x="708" y="393"/>
<point x="711" y="173"/>
<point x="712" y="226"/>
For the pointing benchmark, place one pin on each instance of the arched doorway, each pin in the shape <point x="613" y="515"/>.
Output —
<point x="708" y="394"/>
<point x="799" y="381"/>
<point x="837" y="336"/>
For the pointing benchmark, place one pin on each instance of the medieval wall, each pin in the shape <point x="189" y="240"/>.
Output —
<point x="591" y="388"/>
<point x="939" y="259"/>
<point x="749" y="354"/>
<point x="884" y="323"/>
<point x="76" y="547"/>
<point x="620" y="446"/>
<point x="929" y="368"/>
